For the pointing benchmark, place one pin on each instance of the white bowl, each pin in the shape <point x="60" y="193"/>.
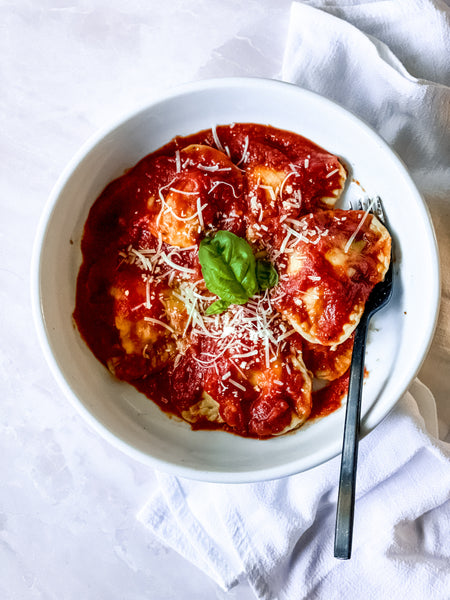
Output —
<point x="400" y="335"/>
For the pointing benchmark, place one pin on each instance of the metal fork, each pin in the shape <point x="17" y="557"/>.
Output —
<point x="378" y="298"/>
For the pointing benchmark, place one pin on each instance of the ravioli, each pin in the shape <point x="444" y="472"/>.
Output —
<point x="205" y="410"/>
<point x="287" y="176"/>
<point x="146" y="340"/>
<point x="144" y="309"/>
<point x="273" y="379"/>
<point x="337" y="258"/>
<point x="328" y="362"/>
<point x="204" y="189"/>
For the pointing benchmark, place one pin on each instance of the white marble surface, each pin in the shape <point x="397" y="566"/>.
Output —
<point x="68" y="500"/>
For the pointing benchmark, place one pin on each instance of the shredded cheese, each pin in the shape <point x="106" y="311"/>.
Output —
<point x="148" y="303"/>
<point x="178" y="161"/>
<point x="172" y="189"/>
<point x="158" y="322"/>
<point x="244" y="152"/>
<point x="199" y="212"/>
<point x="174" y="265"/>
<point x="284" y="182"/>
<point x="216" y="139"/>
<point x="216" y="183"/>
<point x="246" y="354"/>
<point x="360" y="224"/>
<point x="236" y="384"/>
<point x="213" y="168"/>
<point x="270" y="189"/>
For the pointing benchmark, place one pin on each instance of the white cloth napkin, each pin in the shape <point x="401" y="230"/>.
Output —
<point x="279" y="534"/>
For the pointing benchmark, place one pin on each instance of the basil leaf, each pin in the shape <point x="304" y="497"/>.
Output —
<point x="266" y="274"/>
<point x="231" y="271"/>
<point x="217" y="307"/>
<point x="228" y="267"/>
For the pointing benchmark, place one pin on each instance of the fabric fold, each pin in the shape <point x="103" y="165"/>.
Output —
<point x="280" y="534"/>
<point x="200" y="538"/>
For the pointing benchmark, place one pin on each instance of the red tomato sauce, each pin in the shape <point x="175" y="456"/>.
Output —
<point x="329" y="398"/>
<point x="128" y="315"/>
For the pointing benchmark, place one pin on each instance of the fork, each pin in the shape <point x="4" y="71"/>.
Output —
<point x="378" y="298"/>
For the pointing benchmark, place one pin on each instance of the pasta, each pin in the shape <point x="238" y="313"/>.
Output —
<point x="220" y="279"/>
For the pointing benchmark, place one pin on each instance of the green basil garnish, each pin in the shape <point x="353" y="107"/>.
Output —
<point x="217" y="307"/>
<point x="231" y="271"/>
<point x="266" y="274"/>
<point x="228" y="267"/>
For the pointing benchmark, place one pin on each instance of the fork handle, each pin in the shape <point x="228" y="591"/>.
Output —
<point x="347" y="479"/>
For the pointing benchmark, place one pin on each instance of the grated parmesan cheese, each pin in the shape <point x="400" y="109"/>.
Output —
<point x="216" y="139"/>
<point x="244" y="153"/>
<point x="360" y="224"/>
<point x="236" y="384"/>
<point x="216" y="183"/>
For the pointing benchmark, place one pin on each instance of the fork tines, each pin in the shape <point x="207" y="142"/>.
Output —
<point x="372" y="205"/>
<point x="378" y="210"/>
